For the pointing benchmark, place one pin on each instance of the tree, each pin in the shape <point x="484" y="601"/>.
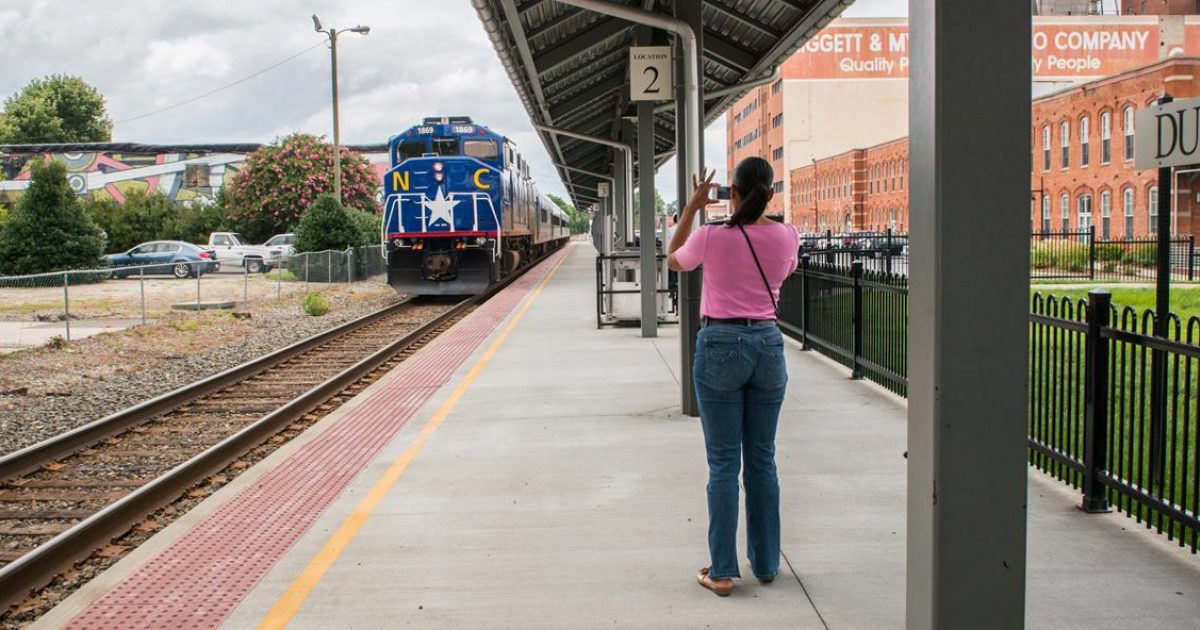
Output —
<point x="327" y="224"/>
<point x="281" y="180"/>
<point x="660" y="208"/>
<point x="580" y="221"/>
<point x="200" y="217"/>
<point x="141" y="218"/>
<point x="48" y="230"/>
<point x="58" y="108"/>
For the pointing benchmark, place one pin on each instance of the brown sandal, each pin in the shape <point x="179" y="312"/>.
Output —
<point x="708" y="583"/>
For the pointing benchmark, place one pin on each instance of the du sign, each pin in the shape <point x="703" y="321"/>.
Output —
<point x="650" y="74"/>
<point x="1168" y="135"/>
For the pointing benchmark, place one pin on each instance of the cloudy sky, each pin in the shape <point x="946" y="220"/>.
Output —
<point x="422" y="58"/>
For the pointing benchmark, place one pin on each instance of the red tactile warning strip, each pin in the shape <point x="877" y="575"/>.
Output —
<point x="198" y="580"/>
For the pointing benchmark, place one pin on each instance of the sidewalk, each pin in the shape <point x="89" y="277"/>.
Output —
<point x="553" y="483"/>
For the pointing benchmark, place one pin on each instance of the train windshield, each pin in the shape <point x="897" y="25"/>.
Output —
<point x="482" y="149"/>
<point x="445" y="146"/>
<point x="410" y="149"/>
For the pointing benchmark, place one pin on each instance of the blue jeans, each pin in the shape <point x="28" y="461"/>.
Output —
<point x="740" y="378"/>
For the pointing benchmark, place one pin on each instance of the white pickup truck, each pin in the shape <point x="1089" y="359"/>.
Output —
<point x="232" y="249"/>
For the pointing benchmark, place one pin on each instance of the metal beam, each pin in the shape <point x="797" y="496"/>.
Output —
<point x="554" y="23"/>
<point x="585" y="98"/>
<point x="625" y="149"/>
<point x="729" y="53"/>
<point x="513" y="20"/>
<point x="753" y="23"/>
<point x="578" y="44"/>
<point x="647" y="250"/>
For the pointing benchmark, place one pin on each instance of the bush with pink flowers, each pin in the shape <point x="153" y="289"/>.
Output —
<point x="279" y="181"/>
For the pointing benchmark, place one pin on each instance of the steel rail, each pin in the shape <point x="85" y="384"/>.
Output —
<point x="36" y="568"/>
<point x="32" y="457"/>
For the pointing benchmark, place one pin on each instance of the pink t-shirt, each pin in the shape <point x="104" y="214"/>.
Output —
<point x="732" y="285"/>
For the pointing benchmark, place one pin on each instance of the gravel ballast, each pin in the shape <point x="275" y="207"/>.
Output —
<point x="46" y="391"/>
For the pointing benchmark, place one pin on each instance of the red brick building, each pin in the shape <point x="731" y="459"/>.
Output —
<point x="1160" y="7"/>
<point x="1082" y="166"/>
<point x="755" y="127"/>
<point x="861" y="189"/>
<point x="1083" y="140"/>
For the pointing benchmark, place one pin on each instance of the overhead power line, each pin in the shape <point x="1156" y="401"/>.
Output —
<point x="220" y="89"/>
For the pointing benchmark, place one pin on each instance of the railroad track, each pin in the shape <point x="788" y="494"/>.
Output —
<point x="63" y="499"/>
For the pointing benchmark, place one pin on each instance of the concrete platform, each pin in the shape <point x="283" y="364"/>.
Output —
<point x="552" y="483"/>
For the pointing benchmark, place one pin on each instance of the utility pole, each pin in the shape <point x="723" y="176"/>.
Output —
<point x="332" y="33"/>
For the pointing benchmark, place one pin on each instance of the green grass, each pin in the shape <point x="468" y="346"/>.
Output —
<point x="1185" y="300"/>
<point x="281" y="275"/>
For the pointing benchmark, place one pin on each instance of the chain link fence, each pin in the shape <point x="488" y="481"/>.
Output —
<point x="54" y="308"/>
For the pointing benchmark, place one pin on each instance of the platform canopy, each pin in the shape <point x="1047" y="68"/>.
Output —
<point x="570" y="66"/>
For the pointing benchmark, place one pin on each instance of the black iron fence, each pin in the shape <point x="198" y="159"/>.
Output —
<point x="1082" y="255"/>
<point x="885" y="252"/>
<point x="856" y="316"/>
<point x="1113" y="409"/>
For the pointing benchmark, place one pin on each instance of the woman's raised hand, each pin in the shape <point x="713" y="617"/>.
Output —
<point x="700" y="185"/>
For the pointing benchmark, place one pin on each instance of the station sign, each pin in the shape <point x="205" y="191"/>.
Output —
<point x="602" y="190"/>
<point x="651" y="73"/>
<point x="1167" y="135"/>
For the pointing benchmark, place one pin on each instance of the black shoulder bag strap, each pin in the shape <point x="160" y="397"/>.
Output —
<point x="761" y="273"/>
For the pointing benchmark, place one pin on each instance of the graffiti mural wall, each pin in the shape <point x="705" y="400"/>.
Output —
<point x="183" y="173"/>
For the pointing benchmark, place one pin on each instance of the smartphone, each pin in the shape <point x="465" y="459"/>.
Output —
<point x="716" y="192"/>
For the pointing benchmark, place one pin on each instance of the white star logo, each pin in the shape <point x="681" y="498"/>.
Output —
<point x="440" y="208"/>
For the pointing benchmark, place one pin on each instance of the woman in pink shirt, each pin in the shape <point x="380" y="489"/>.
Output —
<point x="739" y="373"/>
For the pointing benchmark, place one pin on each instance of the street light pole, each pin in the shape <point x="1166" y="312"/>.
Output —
<point x="332" y="33"/>
<point x="337" y="137"/>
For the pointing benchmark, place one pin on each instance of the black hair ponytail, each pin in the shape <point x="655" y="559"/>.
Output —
<point x="753" y="178"/>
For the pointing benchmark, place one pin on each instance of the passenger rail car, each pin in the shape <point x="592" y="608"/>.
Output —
<point x="461" y="210"/>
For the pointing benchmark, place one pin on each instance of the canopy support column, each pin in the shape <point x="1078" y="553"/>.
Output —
<point x="968" y="314"/>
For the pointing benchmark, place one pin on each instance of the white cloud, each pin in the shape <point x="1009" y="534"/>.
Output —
<point x="422" y="58"/>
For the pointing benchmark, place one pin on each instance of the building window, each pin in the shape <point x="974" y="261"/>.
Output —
<point x="1106" y="215"/>
<point x="777" y="154"/>
<point x="778" y="187"/>
<point x="902" y="163"/>
<point x="1128" y="201"/>
<point x="892" y="174"/>
<point x="1045" y="213"/>
<point x="1153" y="209"/>
<point x="1064" y="207"/>
<point x="776" y="121"/>
<point x="776" y="86"/>
<point x="1064" y="139"/>
<point x="1127" y="126"/>
<point x="1085" y="212"/>
<point x="1083" y="141"/>
<point x="1045" y="147"/>
<point x="196" y="176"/>
<point x="1105" y="138"/>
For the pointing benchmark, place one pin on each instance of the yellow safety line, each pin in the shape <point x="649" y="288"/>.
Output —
<point x="289" y="604"/>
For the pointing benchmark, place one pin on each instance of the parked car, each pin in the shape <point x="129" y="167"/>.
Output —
<point x="279" y="247"/>
<point x="232" y="249"/>
<point x="177" y="258"/>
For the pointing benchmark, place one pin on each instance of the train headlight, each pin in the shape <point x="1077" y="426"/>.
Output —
<point x="480" y="240"/>
<point x="398" y="242"/>
<point x="437" y="167"/>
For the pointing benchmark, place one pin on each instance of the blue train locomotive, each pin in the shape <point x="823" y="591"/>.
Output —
<point x="461" y="210"/>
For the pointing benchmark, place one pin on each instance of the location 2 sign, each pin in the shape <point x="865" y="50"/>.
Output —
<point x="1167" y="135"/>
<point x="650" y="74"/>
